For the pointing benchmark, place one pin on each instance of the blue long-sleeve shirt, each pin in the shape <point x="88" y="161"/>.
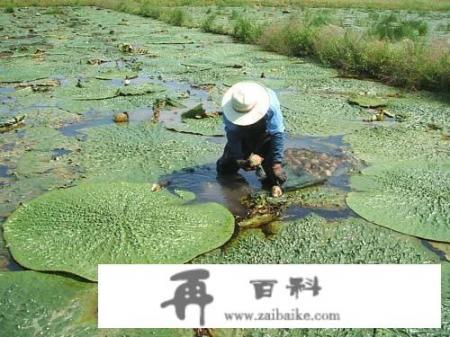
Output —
<point x="274" y="127"/>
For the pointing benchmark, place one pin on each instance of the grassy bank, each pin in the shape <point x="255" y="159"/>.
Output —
<point x="422" y="5"/>
<point x="406" y="61"/>
<point x="392" y="50"/>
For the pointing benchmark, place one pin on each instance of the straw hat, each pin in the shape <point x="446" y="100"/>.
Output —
<point x="245" y="103"/>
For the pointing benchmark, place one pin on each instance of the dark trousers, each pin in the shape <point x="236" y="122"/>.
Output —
<point x="258" y="144"/>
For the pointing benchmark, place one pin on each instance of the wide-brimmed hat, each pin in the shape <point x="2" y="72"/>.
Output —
<point x="245" y="103"/>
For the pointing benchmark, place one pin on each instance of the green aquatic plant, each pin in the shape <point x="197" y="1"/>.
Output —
<point x="366" y="101"/>
<point x="141" y="152"/>
<point x="37" y="304"/>
<point x="91" y="224"/>
<point x="318" y="197"/>
<point x="209" y="126"/>
<point x="111" y="74"/>
<point x="383" y="144"/>
<point x="29" y="300"/>
<point x="316" y="115"/>
<point x="411" y="197"/>
<point x="314" y="240"/>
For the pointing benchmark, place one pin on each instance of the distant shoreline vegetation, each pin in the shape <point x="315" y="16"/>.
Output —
<point x="393" y="49"/>
<point x="420" y="5"/>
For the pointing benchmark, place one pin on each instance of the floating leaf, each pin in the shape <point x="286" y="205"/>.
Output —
<point x="142" y="152"/>
<point x="137" y="90"/>
<point x="397" y="143"/>
<point x="209" y="126"/>
<point x="37" y="304"/>
<point x="113" y="223"/>
<point x="315" y="240"/>
<point x="111" y="74"/>
<point x="366" y="101"/>
<point x="411" y="197"/>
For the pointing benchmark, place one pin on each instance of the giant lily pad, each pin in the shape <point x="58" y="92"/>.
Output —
<point x="37" y="304"/>
<point x="315" y="115"/>
<point x="377" y="144"/>
<point x="366" y="101"/>
<point x="410" y="197"/>
<point x="314" y="240"/>
<point x="113" y="223"/>
<point x="209" y="126"/>
<point x="142" y="152"/>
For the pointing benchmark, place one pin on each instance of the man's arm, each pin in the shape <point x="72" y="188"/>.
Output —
<point x="275" y="127"/>
<point x="277" y="148"/>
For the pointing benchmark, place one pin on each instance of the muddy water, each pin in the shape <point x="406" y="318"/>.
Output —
<point x="297" y="212"/>
<point x="229" y="191"/>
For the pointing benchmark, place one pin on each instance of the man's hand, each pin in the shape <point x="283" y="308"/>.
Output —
<point x="279" y="173"/>
<point x="255" y="160"/>
<point x="245" y="165"/>
<point x="277" y="191"/>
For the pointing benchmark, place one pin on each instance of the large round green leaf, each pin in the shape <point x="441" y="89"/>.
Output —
<point x="315" y="240"/>
<point x="37" y="304"/>
<point x="141" y="152"/>
<point x="76" y="229"/>
<point x="410" y="197"/>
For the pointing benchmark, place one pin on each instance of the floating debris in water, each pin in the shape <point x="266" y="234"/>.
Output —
<point x="96" y="61"/>
<point x="121" y="117"/>
<point x="12" y="123"/>
<point x="39" y="85"/>
<point x="376" y="117"/>
<point x="128" y="48"/>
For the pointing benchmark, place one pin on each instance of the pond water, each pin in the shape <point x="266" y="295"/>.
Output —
<point x="231" y="191"/>
<point x="4" y="171"/>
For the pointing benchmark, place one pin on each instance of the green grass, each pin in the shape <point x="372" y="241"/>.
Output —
<point x="176" y="17"/>
<point x="422" y="5"/>
<point x="247" y="30"/>
<point x="150" y="11"/>
<point x="209" y="25"/>
<point x="405" y="63"/>
<point x="392" y="28"/>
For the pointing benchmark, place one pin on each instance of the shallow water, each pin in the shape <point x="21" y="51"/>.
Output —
<point x="170" y="116"/>
<point x="4" y="171"/>
<point x="76" y="129"/>
<point x="229" y="191"/>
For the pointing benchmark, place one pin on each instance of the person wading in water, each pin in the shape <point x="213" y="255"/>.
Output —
<point x="255" y="134"/>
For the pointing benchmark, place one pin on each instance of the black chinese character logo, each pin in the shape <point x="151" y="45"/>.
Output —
<point x="297" y="285"/>
<point x="193" y="291"/>
<point x="263" y="288"/>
